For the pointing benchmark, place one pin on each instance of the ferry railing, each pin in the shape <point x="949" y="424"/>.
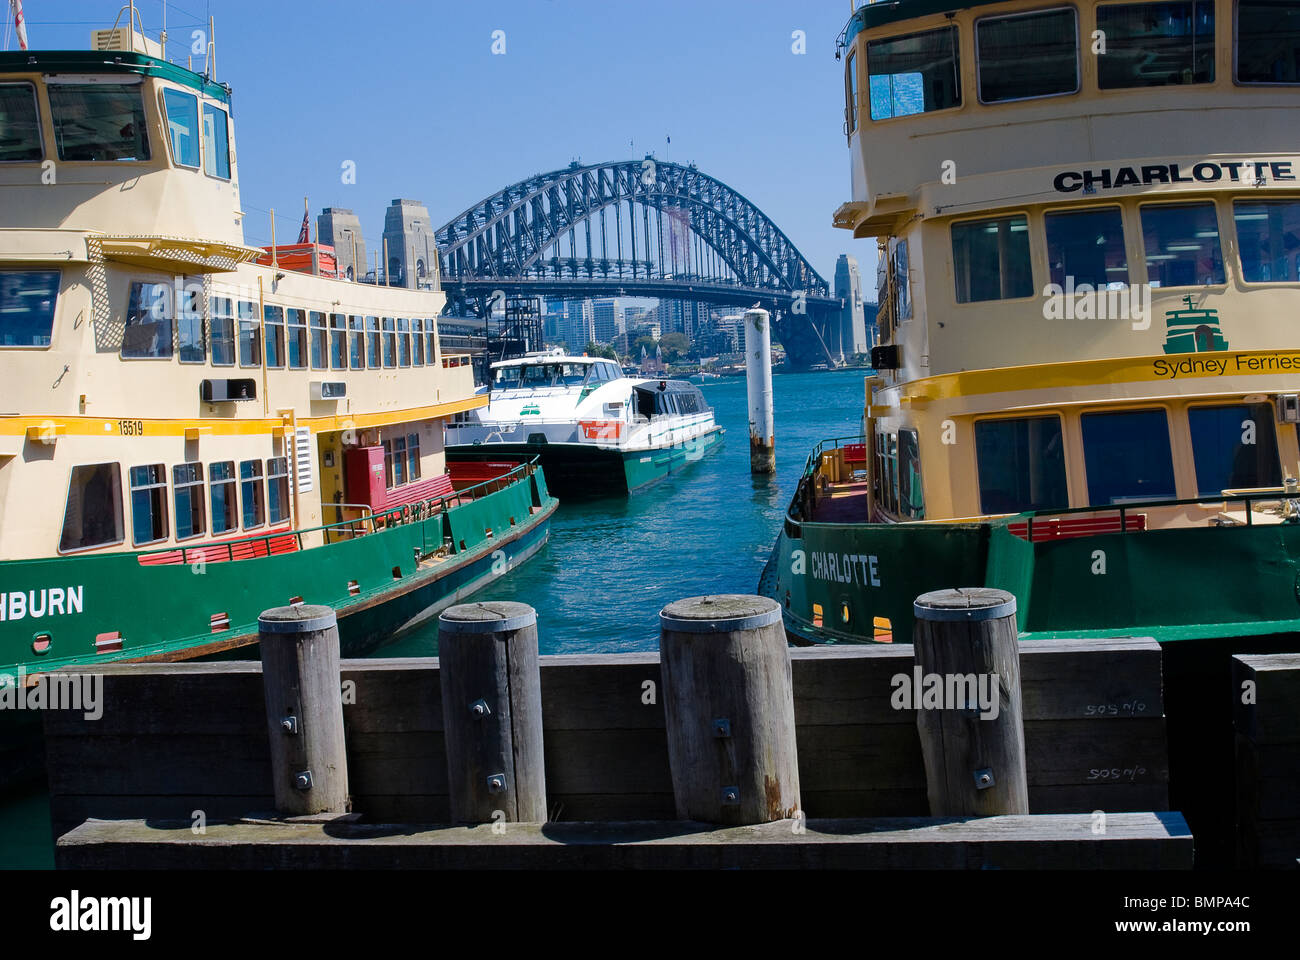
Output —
<point x="419" y="511"/>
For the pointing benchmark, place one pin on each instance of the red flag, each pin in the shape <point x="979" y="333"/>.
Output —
<point x="20" y="23"/>
<point x="303" y="236"/>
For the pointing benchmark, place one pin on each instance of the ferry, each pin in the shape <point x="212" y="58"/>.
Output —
<point x="595" y="430"/>
<point x="194" y="429"/>
<point x="1087" y="389"/>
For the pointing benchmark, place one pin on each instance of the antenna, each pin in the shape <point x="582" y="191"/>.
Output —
<point x="162" y="37"/>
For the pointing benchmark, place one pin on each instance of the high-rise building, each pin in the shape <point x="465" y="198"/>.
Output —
<point x="578" y="328"/>
<point x="408" y="238"/>
<point x="607" y="319"/>
<point x="849" y="335"/>
<point x="341" y="229"/>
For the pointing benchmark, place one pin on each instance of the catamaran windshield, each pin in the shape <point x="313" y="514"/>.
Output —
<point x="541" y="375"/>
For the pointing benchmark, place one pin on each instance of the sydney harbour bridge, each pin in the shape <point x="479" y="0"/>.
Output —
<point x="635" y="228"/>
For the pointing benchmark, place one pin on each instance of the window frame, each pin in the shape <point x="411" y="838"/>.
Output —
<point x="1170" y="446"/>
<point x="1078" y="54"/>
<point x="1236" y="47"/>
<point x="172" y="325"/>
<point x="224" y="110"/>
<point x="1228" y="403"/>
<point x="40" y="124"/>
<point x="165" y="487"/>
<point x="957" y="71"/>
<point x="229" y="317"/>
<point x="851" y="86"/>
<point x="417" y="342"/>
<point x="58" y="295"/>
<point x="116" y="464"/>
<point x="255" y="332"/>
<point x="1265" y="200"/>
<point x="1214" y="59"/>
<point x="1097" y="207"/>
<point x="280" y="480"/>
<point x="374" y="344"/>
<point x="1027" y="416"/>
<point x="273" y="330"/>
<point x="202" y="485"/>
<point x="341" y="330"/>
<point x="136" y="82"/>
<point x="260" y="480"/>
<point x="1030" y="221"/>
<point x="299" y="333"/>
<point x="318" y="336"/>
<point x="198" y="126"/>
<point x="233" y="498"/>
<point x="1191" y="201"/>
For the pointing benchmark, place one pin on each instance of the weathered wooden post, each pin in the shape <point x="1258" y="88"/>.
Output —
<point x="967" y="699"/>
<point x="729" y="709"/>
<point x="304" y="709"/>
<point x="492" y="712"/>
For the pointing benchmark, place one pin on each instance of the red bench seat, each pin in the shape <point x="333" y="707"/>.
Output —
<point x="1090" y="525"/>
<point x="221" y="550"/>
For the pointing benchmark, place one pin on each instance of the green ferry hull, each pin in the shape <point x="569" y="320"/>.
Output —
<point x="166" y="611"/>
<point x="578" y="470"/>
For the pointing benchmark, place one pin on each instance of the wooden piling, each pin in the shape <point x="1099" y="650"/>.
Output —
<point x="729" y="710"/>
<point x="304" y="709"/>
<point x="974" y="755"/>
<point x="492" y="713"/>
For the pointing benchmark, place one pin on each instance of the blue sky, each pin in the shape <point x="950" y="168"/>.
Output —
<point x="412" y="92"/>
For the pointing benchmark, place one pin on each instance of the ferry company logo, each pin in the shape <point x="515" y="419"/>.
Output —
<point x="532" y="410"/>
<point x="1193" y="331"/>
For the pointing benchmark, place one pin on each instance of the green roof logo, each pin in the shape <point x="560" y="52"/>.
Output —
<point x="531" y="410"/>
<point x="1193" y="331"/>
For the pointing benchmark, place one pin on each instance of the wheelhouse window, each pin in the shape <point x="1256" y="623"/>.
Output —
<point x="149" y="313"/>
<point x="1088" y="246"/>
<point x="190" y="344"/>
<point x="390" y="343"/>
<point x="221" y="489"/>
<point x="915" y="73"/>
<point x="250" y="335"/>
<point x="338" y="342"/>
<point x="149" y="504"/>
<point x="1182" y="245"/>
<point x="216" y="142"/>
<point x="1156" y="44"/>
<point x="911" y="497"/>
<point x="417" y="342"/>
<point x="1234" y="447"/>
<point x="372" y="343"/>
<point x="277" y="489"/>
<point x="991" y="259"/>
<point x="297" y="338"/>
<point x="98" y="121"/>
<point x="1021" y="465"/>
<point x="20" y="125"/>
<point x="1268" y="237"/>
<point x="1027" y="55"/>
<point x="851" y="93"/>
<point x="1268" y="41"/>
<point x="403" y="343"/>
<point x="274" y="324"/>
<point x="183" y="127"/>
<point x="93" y="515"/>
<point x="223" y="332"/>
<point x="1127" y="456"/>
<point x="319" y="340"/>
<point x="252" y="493"/>
<point x="187" y="490"/>
<point x="357" y="340"/>
<point x="902" y="282"/>
<point x="27" y="303"/>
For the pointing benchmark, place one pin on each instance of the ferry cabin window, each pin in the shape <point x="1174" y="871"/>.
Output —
<point x="277" y="489"/>
<point x="1027" y="55"/>
<point x="991" y="259"/>
<point x="390" y="343"/>
<point x="216" y="142"/>
<point x="916" y="73"/>
<point x="1182" y="245"/>
<point x="338" y="342"/>
<point x="274" y="317"/>
<point x="395" y="462"/>
<point x="1268" y="41"/>
<point x="93" y="515"/>
<point x="149" y="504"/>
<point x="403" y="343"/>
<point x="412" y="457"/>
<point x="250" y="335"/>
<point x="223" y="332"/>
<point x="430" y="341"/>
<point x="319" y="340"/>
<point x="189" y="322"/>
<point x="1021" y="464"/>
<point x="183" y="127"/>
<point x="1087" y="247"/>
<point x="911" y="498"/>
<point x="187" y="489"/>
<point x="902" y="282"/>
<point x="20" y="126"/>
<point x="1127" y="456"/>
<point x="417" y="342"/>
<point x="1268" y="237"/>
<point x="357" y="343"/>
<point x="148" y="330"/>
<point x="1234" y="447"/>
<point x="27" y="302"/>
<point x="252" y="493"/>
<point x="221" y="489"/>
<point x="1156" y="44"/>
<point x="851" y="93"/>
<point x="100" y="121"/>
<point x="372" y="342"/>
<point x="296" y="321"/>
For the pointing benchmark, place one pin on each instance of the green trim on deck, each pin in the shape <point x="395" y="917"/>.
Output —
<point x="110" y="61"/>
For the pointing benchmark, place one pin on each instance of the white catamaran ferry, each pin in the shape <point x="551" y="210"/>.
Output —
<point x="195" y="430"/>
<point x="595" y="430"/>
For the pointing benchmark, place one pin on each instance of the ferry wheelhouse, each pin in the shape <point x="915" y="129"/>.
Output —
<point x="595" y="430"/>
<point x="192" y="431"/>
<point x="1088" y="384"/>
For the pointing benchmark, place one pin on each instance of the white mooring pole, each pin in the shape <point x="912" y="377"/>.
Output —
<point x="758" y="376"/>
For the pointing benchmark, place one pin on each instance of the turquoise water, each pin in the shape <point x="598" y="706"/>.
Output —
<point x="612" y="564"/>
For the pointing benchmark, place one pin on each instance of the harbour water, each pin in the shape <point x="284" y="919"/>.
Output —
<point x="612" y="564"/>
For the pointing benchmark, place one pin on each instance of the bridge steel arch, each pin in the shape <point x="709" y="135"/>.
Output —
<point x="502" y="242"/>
